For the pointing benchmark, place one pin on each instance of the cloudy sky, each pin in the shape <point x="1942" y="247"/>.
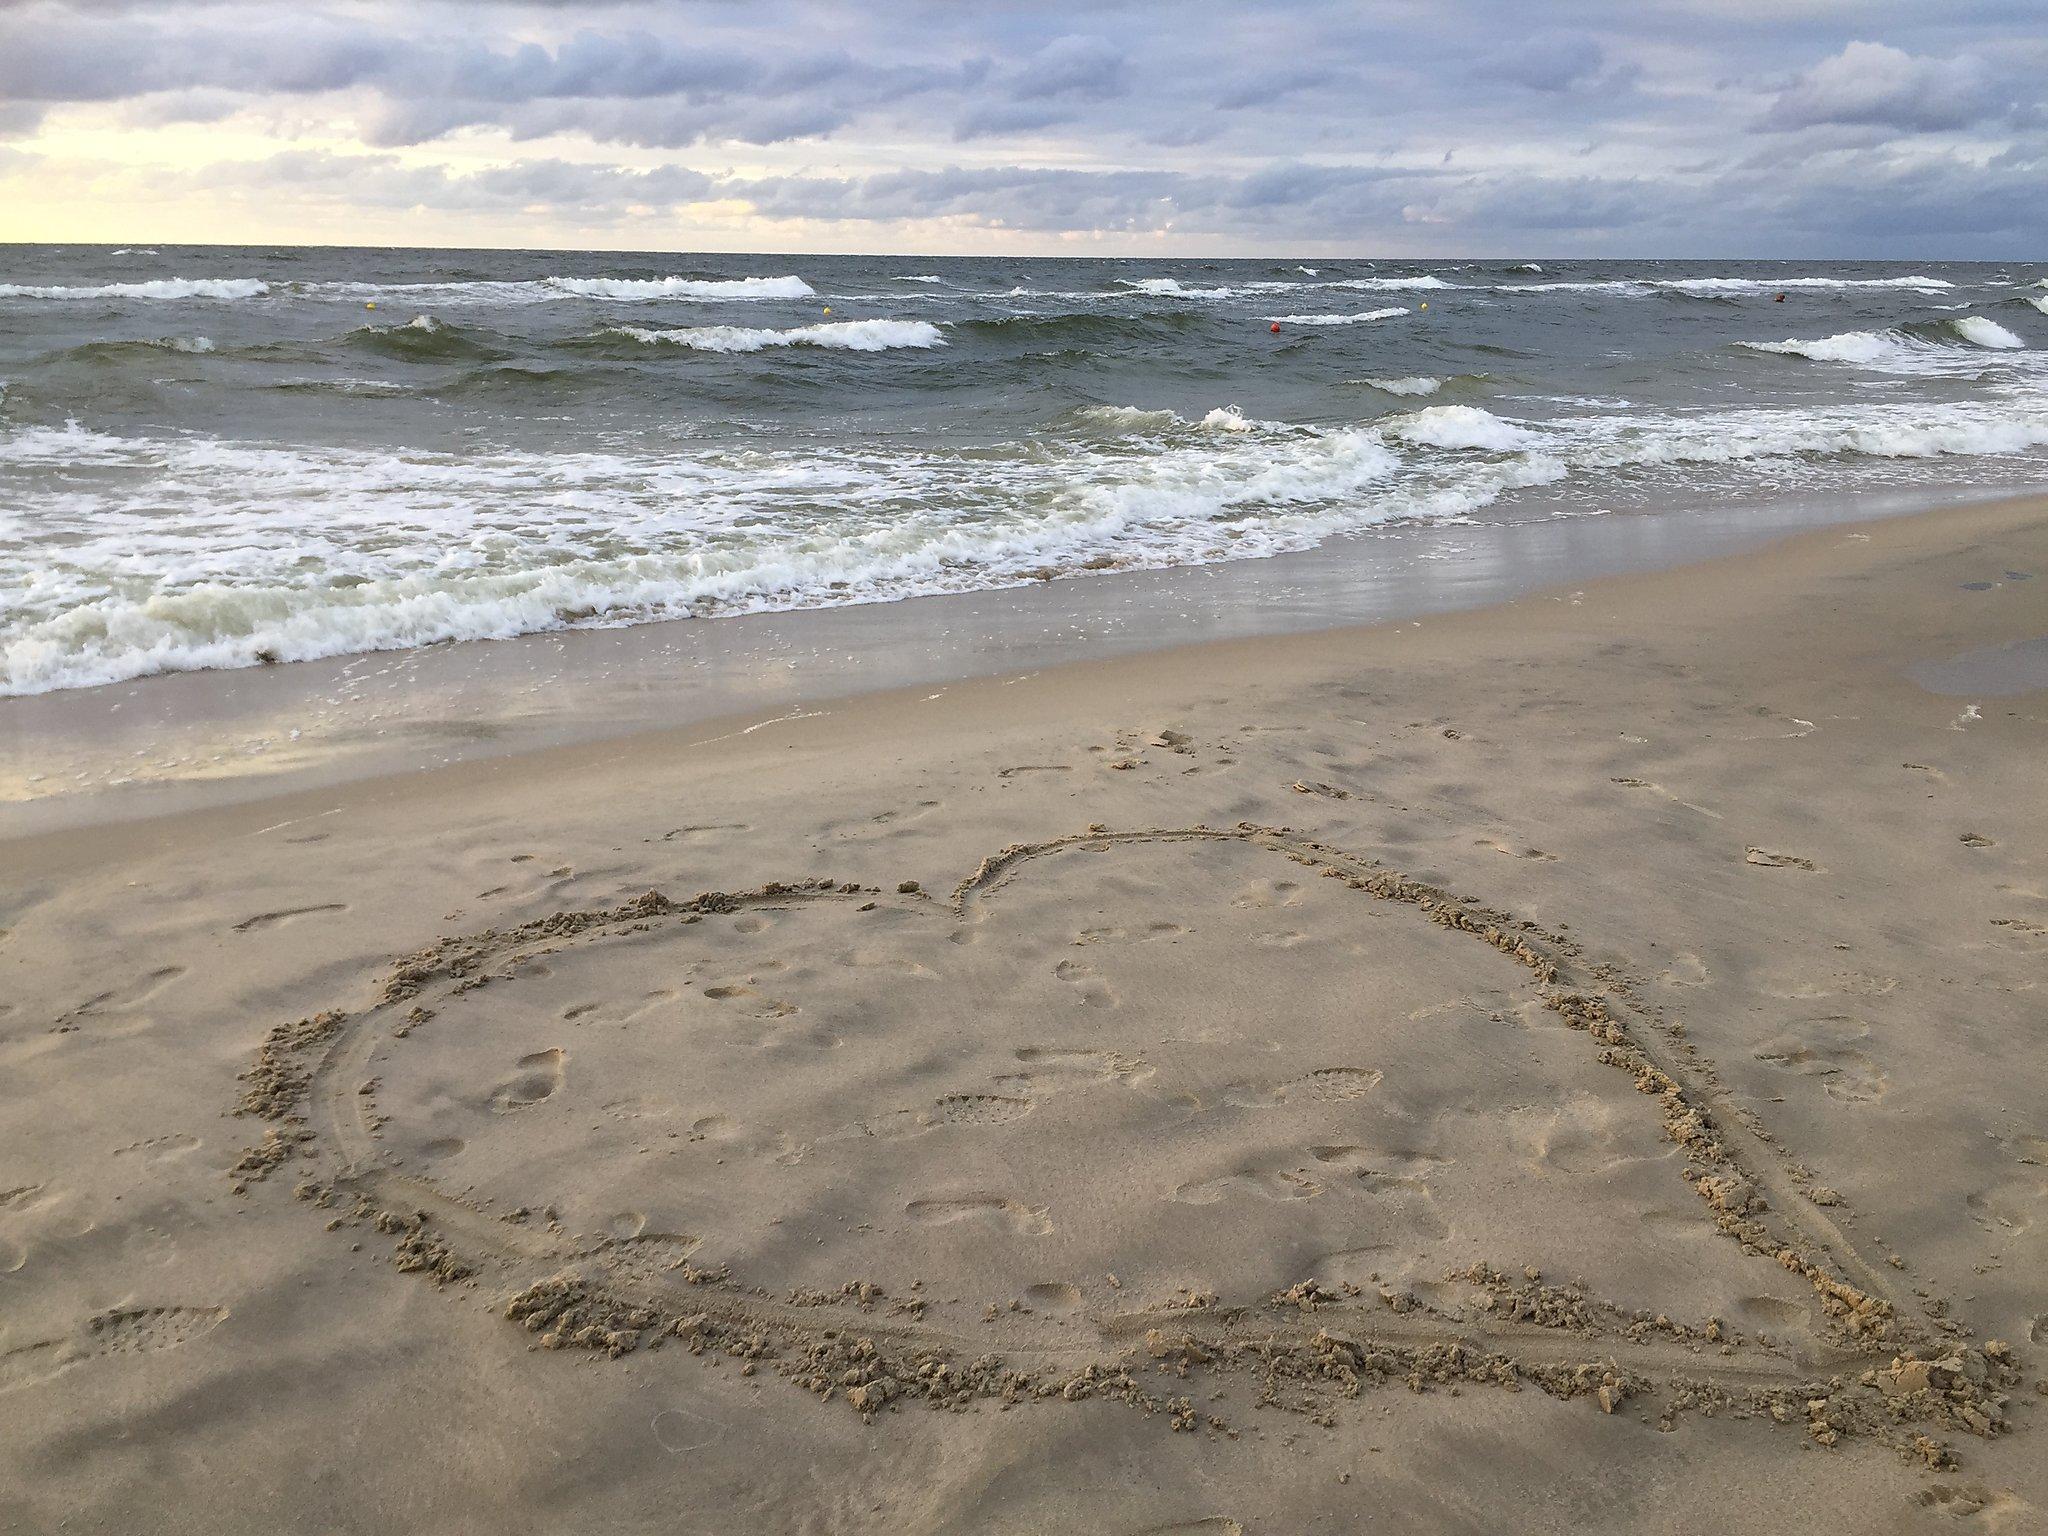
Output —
<point x="1881" y="128"/>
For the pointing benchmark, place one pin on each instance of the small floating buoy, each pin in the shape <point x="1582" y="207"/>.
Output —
<point x="372" y="304"/>
<point x="1425" y="303"/>
<point x="1275" y="327"/>
<point x="828" y="309"/>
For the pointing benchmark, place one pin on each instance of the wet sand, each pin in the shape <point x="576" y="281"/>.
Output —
<point x="1575" y="1065"/>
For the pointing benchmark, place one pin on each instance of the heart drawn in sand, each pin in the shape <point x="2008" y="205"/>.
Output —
<point x="1013" y="1144"/>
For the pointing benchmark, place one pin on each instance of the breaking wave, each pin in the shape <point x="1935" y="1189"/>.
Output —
<point x="844" y="335"/>
<point x="1357" y="319"/>
<point x="161" y="288"/>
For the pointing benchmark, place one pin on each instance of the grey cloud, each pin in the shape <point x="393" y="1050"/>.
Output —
<point x="1871" y="83"/>
<point x="1552" y="62"/>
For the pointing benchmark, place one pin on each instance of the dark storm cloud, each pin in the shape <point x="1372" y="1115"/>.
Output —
<point x="1614" y="124"/>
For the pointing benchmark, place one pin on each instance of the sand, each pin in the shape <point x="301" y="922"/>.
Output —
<point x="1571" y="1066"/>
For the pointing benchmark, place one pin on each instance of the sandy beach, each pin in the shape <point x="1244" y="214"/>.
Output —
<point x="1575" y="1065"/>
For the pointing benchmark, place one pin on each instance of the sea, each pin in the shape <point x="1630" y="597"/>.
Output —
<point x="228" y="457"/>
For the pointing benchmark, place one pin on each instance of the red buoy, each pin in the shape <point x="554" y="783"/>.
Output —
<point x="1276" y="327"/>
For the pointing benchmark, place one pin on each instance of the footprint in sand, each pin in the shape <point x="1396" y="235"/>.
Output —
<point x="1514" y="853"/>
<point x="1024" y="1220"/>
<point x="1049" y="1068"/>
<point x="750" y="1001"/>
<point x="1685" y="970"/>
<point x="158" y="1149"/>
<point x="1766" y="859"/>
<point x="287" y="915"/>
<point x="1325" y="1085"/>
<point x="2016" y="1202"/>
<point x="1995" y="1509"/>
<point x="1258" y="1183"/>
<point x="1145" y="935"/>
<point x="1269" y="893"/>
<point x="1828" y="1049"/>
<point x="1052" y="1296"/>
<point x="539" y="1077"/>
<point x="1397" y="1181"/>
<point x="978" y="1109"/>
<point x="128" y="1331"/>
<point x="1094" y="991"/>
<point x="119" y="1001"/>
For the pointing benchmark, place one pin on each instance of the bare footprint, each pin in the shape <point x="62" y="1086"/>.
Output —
<point x="117" y="1000"/>
<point x="289" y="914"/>
<point x="1685" y="970"/>
<point x="158" y="1149"/>
<point x="1514" y="853"/>
<point x="540" y="1077"/>
<point x="1025" y="1220"/>
<point x="1094" y="991"/>
<point x="1827" y="1049"/>
<point x="1269" y="893"/>
<point x="1259" y="1183"/>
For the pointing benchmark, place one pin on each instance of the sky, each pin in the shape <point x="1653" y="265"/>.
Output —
<point x="1760" y="128"/>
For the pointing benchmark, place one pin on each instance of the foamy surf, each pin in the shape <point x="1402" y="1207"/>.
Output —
<point x="307" y="552"/>
<point x="159" y="289"/>
<point x="845" y="336"/>
<point x="639" y="290"/>
<point x="1360" y="318"/>
<point x="515" y="442"/>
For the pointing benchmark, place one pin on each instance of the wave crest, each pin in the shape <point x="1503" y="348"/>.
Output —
<point x="634" y="289"/>
<point x="841" y="335"/>
<point x="158" y="289"/>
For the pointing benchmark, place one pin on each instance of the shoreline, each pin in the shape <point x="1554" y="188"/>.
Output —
<point x="1208" y="1055"/>
<point x="134" y="752"/>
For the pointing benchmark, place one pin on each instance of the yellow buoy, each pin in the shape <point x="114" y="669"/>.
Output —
<point x="828" y="309"/>
<point x="372" y="304"/>
<point x="1425" y="303"/>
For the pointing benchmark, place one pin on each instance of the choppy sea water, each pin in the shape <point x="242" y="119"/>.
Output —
<point x="218" y="458"/>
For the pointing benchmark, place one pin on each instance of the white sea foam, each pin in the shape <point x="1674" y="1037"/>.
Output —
<point x="158" y="289"/>
<point x="1377" y="283"/>
<point x="1359" y="318"/>
<point x="844" y="335"/>
<point x="1709" y="287"/>
<point x="920" y="278"/>
<point x="2039" y="302"/>
<point x="635" y="289"/>
<point x="1712" y="285"/>
<point x="179" y="551"/>
<point x="1981" y="332"/>
<point x="1898" y="352"/>
<point x="1169" y="287"/>
<point x="1848" y="347"/>
<point x="1459" y="426"/>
